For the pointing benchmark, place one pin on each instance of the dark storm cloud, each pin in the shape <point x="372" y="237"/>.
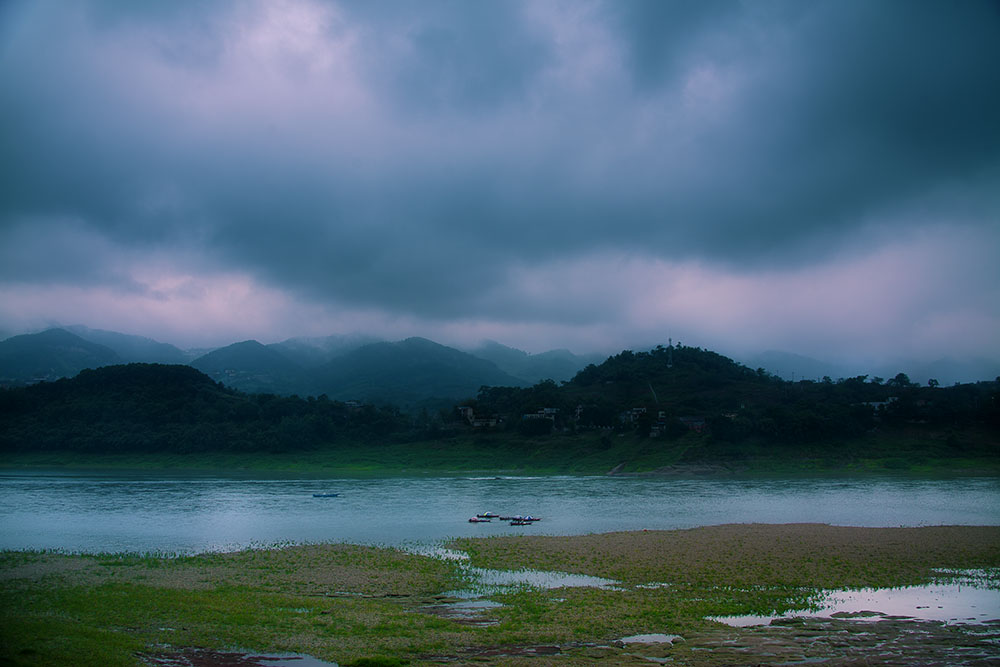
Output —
<point x="451" y="56"/>
<point x="426" y="157"/>
<point x="662" y="38"/>
<point x="845" y="111"/>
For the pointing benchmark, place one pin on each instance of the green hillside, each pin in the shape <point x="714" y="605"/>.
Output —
<point x="141" y="408"/>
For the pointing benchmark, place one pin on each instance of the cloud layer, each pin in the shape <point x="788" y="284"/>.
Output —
<point x="821" y="176"/>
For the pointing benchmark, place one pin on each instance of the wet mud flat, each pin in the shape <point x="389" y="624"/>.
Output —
<point x="796" y="641"/>
<point x="848" y="641"/>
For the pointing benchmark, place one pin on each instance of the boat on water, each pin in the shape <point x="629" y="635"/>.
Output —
<point x="515" y="520"/>
<point x="325" y="495"/>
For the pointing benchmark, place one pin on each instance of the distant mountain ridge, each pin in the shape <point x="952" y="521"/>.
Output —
<point x="793" y="367"/>
<point x="50" y="355"/>
<point x="132" y="348"/>
<point x="946" y="371"/>
<point x="254" y="368"/>
<point x="408" y="373"/>
<point x="311" y="353"/>
<point x="558" y="365"/>
<point x="412" y="372"/>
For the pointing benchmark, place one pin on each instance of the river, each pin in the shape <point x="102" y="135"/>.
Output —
<point x="170" y="513"/>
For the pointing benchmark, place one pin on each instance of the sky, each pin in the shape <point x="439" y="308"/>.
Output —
<point x="819" y="177"/>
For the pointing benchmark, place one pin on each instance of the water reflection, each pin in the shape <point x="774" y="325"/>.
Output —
<point x="965" y="600"/>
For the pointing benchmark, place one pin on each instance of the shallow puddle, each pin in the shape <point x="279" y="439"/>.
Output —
<point x="196" y="657"/>
<point x="656" y="638"/>
<point x="964" y="601"/>
<point x="482" y="582"/>
<point x="465" y="611"/>
<point x="435" y="551"/>
<point x="487" y="580"/>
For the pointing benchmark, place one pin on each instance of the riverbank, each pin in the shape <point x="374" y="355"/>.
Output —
<point x="348" y="604"/>
<point x="692" y="456"/>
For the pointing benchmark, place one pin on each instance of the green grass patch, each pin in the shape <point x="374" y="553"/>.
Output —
<point x="745" y="555"/>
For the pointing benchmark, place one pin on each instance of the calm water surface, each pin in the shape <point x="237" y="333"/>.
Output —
<point x="150" y="512"/>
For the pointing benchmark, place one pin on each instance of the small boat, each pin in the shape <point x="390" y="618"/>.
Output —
<point x="478" y="519"/>
<point x="325" y="495"/>
<point x="488" y="515"/>
<point x="520" y="522"/>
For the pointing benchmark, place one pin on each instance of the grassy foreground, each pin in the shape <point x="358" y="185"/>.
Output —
<point x="362" y="605"/>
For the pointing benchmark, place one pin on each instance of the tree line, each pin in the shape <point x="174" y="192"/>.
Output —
<point x="664" y="393"/>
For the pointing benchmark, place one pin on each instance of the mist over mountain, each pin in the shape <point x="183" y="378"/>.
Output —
<point x="133" y="348"/>
<point x="793" y="367"/>
<point x="945" y="371"/>
<point x="555" y="365"/>
<point x="314" y="352"/>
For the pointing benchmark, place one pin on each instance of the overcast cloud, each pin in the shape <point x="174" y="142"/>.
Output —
<point x="818" y="177"/>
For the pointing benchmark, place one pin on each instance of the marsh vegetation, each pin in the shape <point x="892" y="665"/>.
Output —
<point x="350" y="604"/>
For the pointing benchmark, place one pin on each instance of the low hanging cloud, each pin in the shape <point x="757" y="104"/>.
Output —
<point x="599" y="173"/>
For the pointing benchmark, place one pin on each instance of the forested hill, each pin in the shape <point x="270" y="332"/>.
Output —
<point x="668" y="390"/>
<point x="176" y="409"/>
